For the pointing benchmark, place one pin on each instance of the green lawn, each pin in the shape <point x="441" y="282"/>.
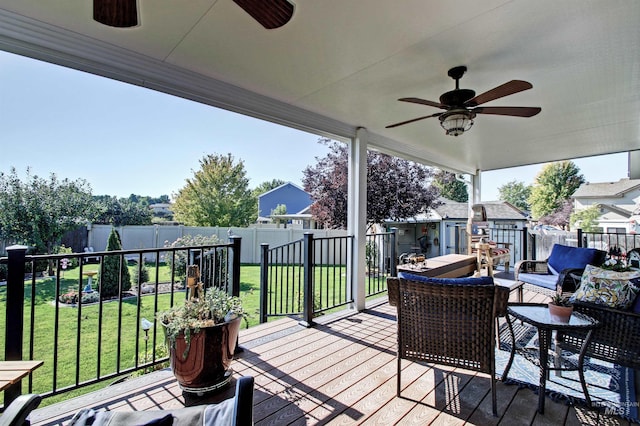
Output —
<point x="70" y="348"/>
<point x="99" y="325"/>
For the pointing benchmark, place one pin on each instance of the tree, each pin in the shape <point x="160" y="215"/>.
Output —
<point x="396" y="189"/>
<point x="586" y="219"/>
<point x="38" y="212"/>
<point x="554" y="184"/>
<point x="114" y="272"/>
<point x="279" y="210"/>
<point x="121" y="212"/>
<point x="450" y="187"/>
<point x="217" y="195"/>
<point x="516" y="193"/>
<point x="560" y="217"/>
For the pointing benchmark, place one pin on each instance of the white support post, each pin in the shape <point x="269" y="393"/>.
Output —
<point x="476" y="188"/>
<point x="357" y="213"/>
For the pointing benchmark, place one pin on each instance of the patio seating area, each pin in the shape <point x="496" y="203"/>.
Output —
<point x="342" y="371"/>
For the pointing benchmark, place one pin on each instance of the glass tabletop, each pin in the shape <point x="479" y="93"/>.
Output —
<point x="538" y="315"/>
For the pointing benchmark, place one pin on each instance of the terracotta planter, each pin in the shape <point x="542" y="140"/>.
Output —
<point x="207" y="364"/>
<point x="560" y="313"/>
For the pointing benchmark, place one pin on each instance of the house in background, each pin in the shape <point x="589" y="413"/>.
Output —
<point x="439" y="231"/>
<point x="161" y="209"/>
<point x="619" y="204"/>
<point x="296" y="200"/>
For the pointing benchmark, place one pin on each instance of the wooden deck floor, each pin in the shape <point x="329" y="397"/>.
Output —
<point x="340" y="372"/>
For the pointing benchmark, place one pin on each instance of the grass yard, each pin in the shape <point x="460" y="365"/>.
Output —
<point x="99" y="349"/>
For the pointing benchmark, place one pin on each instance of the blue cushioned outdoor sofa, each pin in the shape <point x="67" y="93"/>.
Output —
<point x="560" y="272"/>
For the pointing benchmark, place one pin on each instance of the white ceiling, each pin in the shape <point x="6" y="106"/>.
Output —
<point x="342" y="64"/>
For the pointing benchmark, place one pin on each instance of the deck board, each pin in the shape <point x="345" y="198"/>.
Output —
<point x="340" y="372"/>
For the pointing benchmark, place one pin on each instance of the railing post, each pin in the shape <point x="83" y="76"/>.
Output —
<point x="525" y="244"/>
<point x="580" y="244"/>
<point x="264" y="281"/>
<point x="235" y="265"/>
<point x="307" y="309"/>
<point x="393" y="239"/>
<point x="14" y="314"/>
<point x="457" y="240"/>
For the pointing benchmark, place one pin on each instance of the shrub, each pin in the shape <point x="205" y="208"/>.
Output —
<point x="114" y="269"/>
<point x="93" y="297"/>
<point x="140" y="275"/>
<point x="70" y="298"/>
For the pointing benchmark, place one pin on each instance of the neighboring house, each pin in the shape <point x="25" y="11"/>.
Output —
<point x="302" y="220"/>
<point x="434" y="232"/>
<point x="296" y="199"/>
<point x="619" y="204"/>
<point x="161" y="209"/>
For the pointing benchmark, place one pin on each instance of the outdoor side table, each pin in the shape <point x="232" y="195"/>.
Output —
<point x="538" y="316"/>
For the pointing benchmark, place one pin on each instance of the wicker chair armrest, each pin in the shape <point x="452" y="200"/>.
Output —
<point x="393" y="290"/>
<point x="531" y="267"/>
<point x="606" y="312"/>
<point x="502" y="300"/>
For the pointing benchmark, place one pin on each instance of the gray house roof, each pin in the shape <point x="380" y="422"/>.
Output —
<point x="607" y="189"/>
<point x="496" y="210"/>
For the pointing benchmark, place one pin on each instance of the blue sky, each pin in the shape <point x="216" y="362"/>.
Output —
<point x="124" y="139"/>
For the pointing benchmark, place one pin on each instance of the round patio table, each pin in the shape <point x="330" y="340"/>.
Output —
<point x="538" y="316"/>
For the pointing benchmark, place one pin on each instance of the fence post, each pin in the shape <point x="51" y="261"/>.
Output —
<point x="393" y="239"/>
<point x="264" y="281"/>
<point x="14" y="314"/>
<point x="235" y="265"/>
<point x="307" y="309"/>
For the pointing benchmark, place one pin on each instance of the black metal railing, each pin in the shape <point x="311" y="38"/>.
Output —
<point x="381" y="261"/>
<point x="609" y="242"/>
<point x="93" y="338"/>
<point x="305" y="277"/>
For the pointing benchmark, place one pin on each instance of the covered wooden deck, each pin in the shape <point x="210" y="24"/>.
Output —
<point x="340" y="372"/>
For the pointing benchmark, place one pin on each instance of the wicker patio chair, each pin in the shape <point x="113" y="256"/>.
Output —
<point x="441" y="322"/>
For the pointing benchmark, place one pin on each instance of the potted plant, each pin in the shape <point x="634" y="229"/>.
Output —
<point x="202" y="335"/>
<point x="560" y="308"/>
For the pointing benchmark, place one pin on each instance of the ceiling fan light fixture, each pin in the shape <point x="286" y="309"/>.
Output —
<point x="456" y="122"/>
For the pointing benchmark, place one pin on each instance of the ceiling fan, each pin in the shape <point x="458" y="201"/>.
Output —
<point x="462" y="105"/>
<point x="124" y="13"/>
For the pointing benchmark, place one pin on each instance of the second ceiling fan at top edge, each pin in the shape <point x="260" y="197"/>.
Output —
<point x="270" y="14"/>
<point x="462" y="105"/>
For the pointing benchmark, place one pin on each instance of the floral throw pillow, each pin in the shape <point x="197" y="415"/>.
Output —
<point x="610" y="288"/>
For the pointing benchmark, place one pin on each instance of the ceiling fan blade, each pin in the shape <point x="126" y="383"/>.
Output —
<point x="511" y="111"/>
<point x="116" y="13"/>
<point x="390" y="126"/>
<point x="423" y="102"/>
<point x="509" y="88"/>
<point x="269" y="13"/>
